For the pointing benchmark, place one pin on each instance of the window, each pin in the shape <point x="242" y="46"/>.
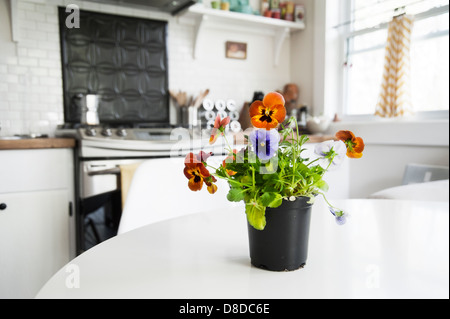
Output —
<point x="365" y="37"/>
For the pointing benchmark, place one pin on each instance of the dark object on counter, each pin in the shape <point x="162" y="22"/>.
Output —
<point x="257" y="96"/>
<point x="302" y="116"/>
<point x="290" y="94"/>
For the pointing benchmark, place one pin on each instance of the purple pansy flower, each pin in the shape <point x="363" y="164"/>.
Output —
<point x="339" y="215"/>
<point x="265" y="143"/>
<point x="331" y="150"/>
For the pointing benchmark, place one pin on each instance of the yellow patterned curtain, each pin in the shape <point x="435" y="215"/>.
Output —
<point x="395" y="95"/>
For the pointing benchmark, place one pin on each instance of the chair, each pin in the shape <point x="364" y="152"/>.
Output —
<point x="420" y="173"/>
<point x="159" y="191"/>
<point x="420" y="182"/>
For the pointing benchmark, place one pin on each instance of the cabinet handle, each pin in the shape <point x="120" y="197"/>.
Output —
<point x="3" y="206"/>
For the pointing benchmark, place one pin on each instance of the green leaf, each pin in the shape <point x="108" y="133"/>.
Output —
<point x="322" y="185"/>
<point x="235" y="195"/>
<point x="271" y="200"/>
<point x="256" y="216"/>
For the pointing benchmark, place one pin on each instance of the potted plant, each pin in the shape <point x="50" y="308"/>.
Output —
<point x="275" y="180"/>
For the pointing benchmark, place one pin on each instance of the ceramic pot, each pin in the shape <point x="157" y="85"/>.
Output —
<point x="283" y="244"/>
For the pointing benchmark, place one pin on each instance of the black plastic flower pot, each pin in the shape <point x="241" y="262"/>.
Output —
<point x="283" y="244"/>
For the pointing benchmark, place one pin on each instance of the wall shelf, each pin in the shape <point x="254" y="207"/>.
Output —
<point x="280" y="29"/>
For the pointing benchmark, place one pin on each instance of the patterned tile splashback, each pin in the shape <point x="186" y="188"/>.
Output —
<point x="122" y="59"/>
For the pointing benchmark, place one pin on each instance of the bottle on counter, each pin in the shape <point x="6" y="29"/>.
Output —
<point x="302" y="117"/>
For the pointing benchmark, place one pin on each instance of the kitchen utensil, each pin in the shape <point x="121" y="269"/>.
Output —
<point x="180" y="98"/>
<point x="89" y="112"/>
<point x="192" y="114"/>
<point x="199" y="99"/>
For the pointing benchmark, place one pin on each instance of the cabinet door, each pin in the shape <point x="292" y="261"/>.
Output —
<point x="34" y="240"/>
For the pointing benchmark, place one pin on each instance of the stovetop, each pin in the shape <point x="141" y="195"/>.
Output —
<point x="114" y="132"/>
<point x="107" y="142"/>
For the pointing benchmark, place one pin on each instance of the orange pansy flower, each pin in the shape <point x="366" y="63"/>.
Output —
<point x="209" y="181"/>
<point x="230" y="159"/>
<point x="269" y="112"/>
<point x="219" y="128"/>
<point x="355" y="145"/>
<point x="195" y="171"/>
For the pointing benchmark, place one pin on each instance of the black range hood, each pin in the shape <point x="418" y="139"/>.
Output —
<point x="169" y="6"/>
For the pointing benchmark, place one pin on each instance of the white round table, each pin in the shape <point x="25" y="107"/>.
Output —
<point x="387" y="249"/>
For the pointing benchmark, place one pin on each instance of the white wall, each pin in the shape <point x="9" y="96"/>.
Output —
<point x="30" y="70"/>
<point x="303" y="56"/>
<point x="390" y="146"/>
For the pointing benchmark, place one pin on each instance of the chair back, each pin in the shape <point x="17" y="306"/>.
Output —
<point x="159" y="191"/>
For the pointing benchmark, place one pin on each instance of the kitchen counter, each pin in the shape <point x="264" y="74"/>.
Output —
<point x="36" y="143"/>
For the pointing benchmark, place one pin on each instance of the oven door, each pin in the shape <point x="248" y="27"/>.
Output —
<point x="100" y="201"/>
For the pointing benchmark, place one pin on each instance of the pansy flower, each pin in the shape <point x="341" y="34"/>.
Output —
<point x="230" y="159"/>
<point x="340" y="216"/>
<point x="355" y="145"/>
<point x="209" y="181"/>
<point x="219" y="128"/>
<point x="265" y="143"/>
<point x="332" y="153"/>
<point x="269" y="112"/>
<point x="197" y="174"/>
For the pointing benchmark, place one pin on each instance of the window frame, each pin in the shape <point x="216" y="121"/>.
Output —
<point x="346" y="36"/>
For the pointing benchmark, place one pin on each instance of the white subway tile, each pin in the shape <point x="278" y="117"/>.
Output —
<point x="47" y="63"/>
<point x="12" y="96"/>
<point x="27" y="61"/>
<point x="48" y="45"/>
<point x="13" y="69"/>
<point x="21" y="51"/>
<point x="48" y="81"/>
<point x="8" y="60"/>
<point x="27" y="24"/>
<point x="35" y="16"/>
<point x="37" y="53"/>
<point x="55" y="73"/>
<point x="36" y="1"/>
<point x="49" y="9"/>
<point x="50" y="18"/>
<point x="47" y="27"/>
<point x="27" y="43"/>
<point x="39" y="71"/>
<point x="4" y="106"/>
<point x="3" y="87"/>
<point x="35" y="35"/>
<point x="11" y="78"/>
<point x="53" y="37"/>
<point x="24" y="5"/>
<point x="17" y="87"/>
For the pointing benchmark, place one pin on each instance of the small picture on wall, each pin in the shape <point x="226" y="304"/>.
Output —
<point x="236" y="50"/>
<point x="299" y="13"/>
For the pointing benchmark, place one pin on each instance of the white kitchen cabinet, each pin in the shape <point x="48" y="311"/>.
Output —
<point x="36" y="228"/>
<point x="34" y="237"/>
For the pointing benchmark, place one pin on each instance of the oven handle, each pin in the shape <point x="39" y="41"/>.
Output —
<point x="109" y="171"/>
